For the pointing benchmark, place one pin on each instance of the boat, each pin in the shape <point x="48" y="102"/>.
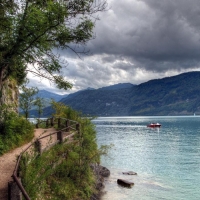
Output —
<point x="154" y="125"/>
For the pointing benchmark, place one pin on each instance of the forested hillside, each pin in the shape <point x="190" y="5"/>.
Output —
<point x="177" y="95"/>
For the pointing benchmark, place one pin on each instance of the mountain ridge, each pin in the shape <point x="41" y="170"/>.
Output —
<point x="175" y="95"/>
<point x="50" y="95"/>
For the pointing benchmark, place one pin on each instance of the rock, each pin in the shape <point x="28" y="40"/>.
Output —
<point x="99" y="185"/>
<point x="100" y="172"/>
<point x="103" y="171"/>
<point x="125" y="183"/>
<point x="130" y="173"/>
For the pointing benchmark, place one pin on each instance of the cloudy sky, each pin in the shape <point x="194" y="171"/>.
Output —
<point x="136" y="40"/>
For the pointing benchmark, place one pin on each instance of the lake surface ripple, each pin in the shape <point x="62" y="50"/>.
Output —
<point x="167" y="160"/>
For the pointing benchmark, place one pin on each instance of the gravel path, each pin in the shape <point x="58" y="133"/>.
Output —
<point x="8" y="161"/>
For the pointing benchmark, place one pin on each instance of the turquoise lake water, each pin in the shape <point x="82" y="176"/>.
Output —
<point x="167" y="160"/>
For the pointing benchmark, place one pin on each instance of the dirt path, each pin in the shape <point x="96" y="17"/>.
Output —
<point x="8" y="161"/>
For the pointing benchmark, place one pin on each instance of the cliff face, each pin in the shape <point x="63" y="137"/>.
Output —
<point x="10" y="94"/>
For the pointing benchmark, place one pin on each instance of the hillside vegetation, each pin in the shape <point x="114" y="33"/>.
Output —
<point x="176" y="95"/>
<point x="64" y="171"/>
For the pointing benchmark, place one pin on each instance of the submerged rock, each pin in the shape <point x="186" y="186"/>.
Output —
<point x="125" y="183"/>
<point x="130" y="173"/>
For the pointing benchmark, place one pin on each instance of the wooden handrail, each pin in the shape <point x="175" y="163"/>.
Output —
<point x="68" y="127"/>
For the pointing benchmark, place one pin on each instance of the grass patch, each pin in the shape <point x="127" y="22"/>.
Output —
<point x="14" y="132"/>
<point x="64" y="171"/>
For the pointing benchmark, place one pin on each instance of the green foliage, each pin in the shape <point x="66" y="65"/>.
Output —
<point x="26" y="99"/>
<point x="59" y="109"/>
<point x="177" y="95"/>
<point x="14" y="130"/>
<point x="64" y="171"/>
<point x="63" y="111"/>
<point x="32" y="29"/>
<point x="40" y="104"/>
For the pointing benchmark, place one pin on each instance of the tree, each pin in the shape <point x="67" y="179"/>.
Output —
<point x="40" y="104"/>
<point x="59" y="109"/>
<point x="27" y="99"/>
<point x="31" y="31"/>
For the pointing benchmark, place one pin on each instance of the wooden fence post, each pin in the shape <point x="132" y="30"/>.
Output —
<point x="14" y="193"/>
<point x="60" y="136"/>
<point x="52" y="121"/>
<point x="47" y="123"/>
<point x="58" y="122"/>
<point x="18" y="169"/>
<point x="38" y="146"/>
<point x="78" y="128"/>
<point x="67" y="125"/>
<point x="37" y="125"/>
<point x="10" y="190"/>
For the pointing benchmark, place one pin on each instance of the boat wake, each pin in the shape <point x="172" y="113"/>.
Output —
<point x="122" y="126"/>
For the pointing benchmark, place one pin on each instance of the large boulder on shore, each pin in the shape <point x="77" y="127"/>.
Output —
<point x="103" y="171"/>
<point x="125" y="183"/>
<point x="100" y="170"/>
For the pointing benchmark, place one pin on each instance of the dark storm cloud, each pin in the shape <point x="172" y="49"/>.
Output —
<point x="154" y="34"/>
<point x="123" y="66"/>
<point x="136" y="40"/>
<point x="108" y="59"/>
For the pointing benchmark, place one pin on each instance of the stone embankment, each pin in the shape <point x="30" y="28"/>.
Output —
<point x="101" y="173"/>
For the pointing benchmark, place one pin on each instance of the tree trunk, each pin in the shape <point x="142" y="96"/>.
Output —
<point x="9" y="94"/>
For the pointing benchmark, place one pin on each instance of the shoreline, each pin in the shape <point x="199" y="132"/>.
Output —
<point x="101" y="173"/>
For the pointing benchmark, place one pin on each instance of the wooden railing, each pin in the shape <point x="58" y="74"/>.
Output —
<point x="65" y="126"/>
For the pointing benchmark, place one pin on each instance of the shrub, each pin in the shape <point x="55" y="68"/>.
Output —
<point x="14" y="131"/>
<point x="64" y="171"/>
